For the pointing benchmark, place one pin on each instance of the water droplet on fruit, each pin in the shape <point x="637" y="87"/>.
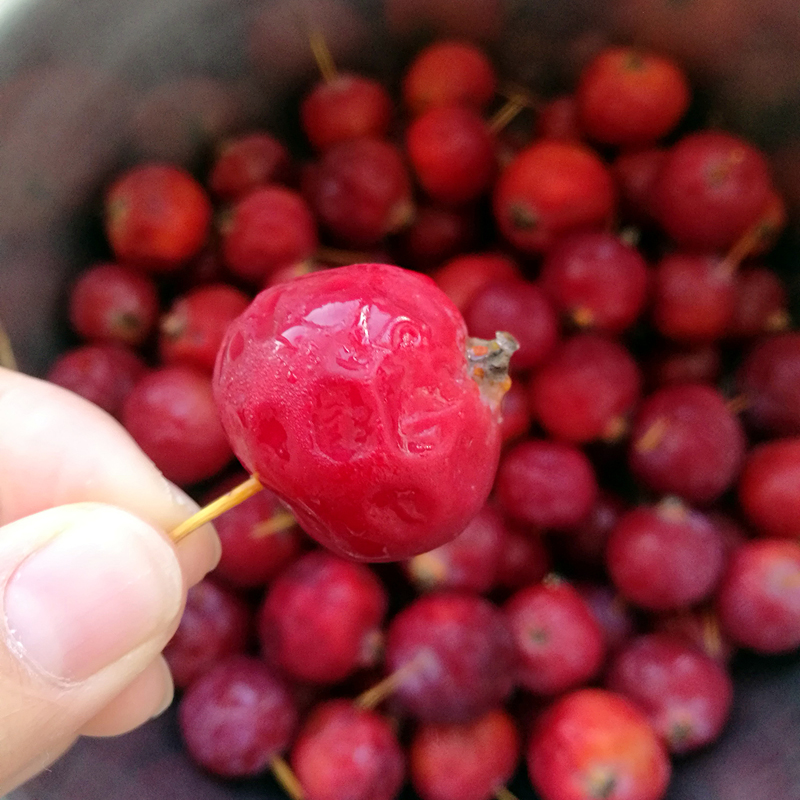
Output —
<point x="272" y="434"/>
<point x="409" y="505"/>
<point x="344" y="421"/>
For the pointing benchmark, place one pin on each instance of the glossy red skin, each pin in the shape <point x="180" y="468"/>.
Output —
<point x="585" y="390"/>
<point x="559" y="640"/>
<point x="449" y="72"/>
<point x="347" y="392"/>
<point x="112" y="303"/>
<point x="636" y="173"/>
<point x="346" y="753"/>
<point x="156" y="216"/>
<point x="758" y="601"/>
<point x="469" y="761"/>
<point x="769" y="379"/>
<point x="104" y="374"/>
<point x="761" y="304"/>
<point x="215" y="624"/>
<point x="521" y="308"/>
<point x="584" y="546"/>
<point x="768" y="489"/>
<point x="547" y="484"/>
<point x="693" y="298"/>
<point x="469" y="562"/>
<point x="665" y="557"/>
<point x="237" y="717"/>
<point x="711" y="188"/>
<point x="550" y="189"/>
<point x="436" y="234"/>
<point x="361" y="191"/>
<point x="613" y="614"/>
<point x="250" y="556"/>
<point x="320" y="619"/>
<point x="631" y="98"/>
<point x="246" y="163"/>
<point x="463" y="277"/>
<point x="672" y="365"/>
<point x="172" y="416"/>
<point x="596" y="280"/>
<point x="345" y="107"/>
<point x="558" y="119"/>
<point x="516" y="413"/>
<point x="685" y="695"/>
<point x="524" y="559"/>
<point x="463" y="652"/>
<point x="193" y="328"/>
<point x="591" y="738"/>
<point x="268" y="229"/>
<point x="451" y="151"/>
<point x="686" y="442"/>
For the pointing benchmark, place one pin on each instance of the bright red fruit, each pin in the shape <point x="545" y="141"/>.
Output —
<point x="558" y="119"/>
<point x="464" y="276"/>
<point x="321" y="618"/>
<point x="345" y="107"/>
<point x="113" y="303"/>
<point x="349" y="393"/>
<point x="172" y="416"/>
<point x="193" y="329"/>
<point x="550" y="189"/>
<point x="685" y="695"/>
<point x="346" y="753"/>
<point x="449" y="72"/>
<point x="595" y="744"/>
<point x="467" y="761"/>
<point x="516" y="413"/>
<point x="247" y="162"/>
<point x="769" y="490"/>
<point x="631" y="98"/>
<point x="237" y="717"/>
<point x="156" y="216"/>
<point x="452" y="153"/>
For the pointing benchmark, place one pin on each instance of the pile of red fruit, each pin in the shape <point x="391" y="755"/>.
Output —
<point x="643" y="521"/>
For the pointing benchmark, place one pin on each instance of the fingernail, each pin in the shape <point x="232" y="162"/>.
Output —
<point x="205" y="541"/>
<point x="169" y="692"/>
<point x="100" y="588"/>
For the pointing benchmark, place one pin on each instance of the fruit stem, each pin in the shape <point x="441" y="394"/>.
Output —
<point x="502" y="793"/>
<point x="322" y="55"/>
<point x="488" y="361"/>
<point x="237" y="495"/>
<point x="509" y="110"/>
<point x="279" y="521"/>
<point x="764" y="227"/>
<point x="737" y="404"/>
<point x="7" y="359"/>
<point x="285" y="776"/>
<point x="380" y="691"/>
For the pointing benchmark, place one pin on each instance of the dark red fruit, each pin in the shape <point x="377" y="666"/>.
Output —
<point x="613" y="614"/>
<point x="448" y="73"/>
<point x="596" y="280"/>
<point x="524" y="559"/>
<point x="685" y="695"/>
<point x="361" y="191"/>
<point x="558" y="120"/>
<point x="671" y="365"/>
<point x="686" y="442"/>
<point x="347" y="753"/>
<point x="559" y="641"/>
<point x="349" y="394"/>
<point x="585" y="545"/>
<point x="247" y="163"/>
<point x="769" y="491"/>
<point x="522" y="309"/>
<point x="172" y="416"/>
<point x="111" y="303"/>
<point x="345" y="107"/>
<point x="468" y="562"/>
<point x="596" y="745"/>
<point x="464" y="276"/>
<point x="457" y="657"/>
<point x="452" y="154"/>
<point x="215" y="624"/>
<point x="759" y="599"/>
<point x="321" y="618"/>
<point x="516" y="413"/>
<point x="586" y="390"/>
<point x="700" y="628"/>
<point x="769" y="379"/>
<point x="631" y="98"/>
<point x="436" y="234"/>
<point x="711" y="188"/>
<point x="636" y="174"/>
<point x="157" y="217"/>
<point x="104" y="374"/>
<point x="193" y="329"/>
<point x="259" y="537"/>
<point x="550" y="189"/>
<point x="467" y="761"/>
<point x="760" y="304"/>
<point x="665" y="557"/>
<point x="694" y="297"/>
<point x="547" y="484"/>
<point x="237" y="717"/>
<point x="267" y="230"/>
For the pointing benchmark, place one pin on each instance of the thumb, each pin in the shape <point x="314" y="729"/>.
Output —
<point x="89" y="596"/>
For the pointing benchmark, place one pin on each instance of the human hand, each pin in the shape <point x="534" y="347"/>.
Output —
<point x="91" y="588"/>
